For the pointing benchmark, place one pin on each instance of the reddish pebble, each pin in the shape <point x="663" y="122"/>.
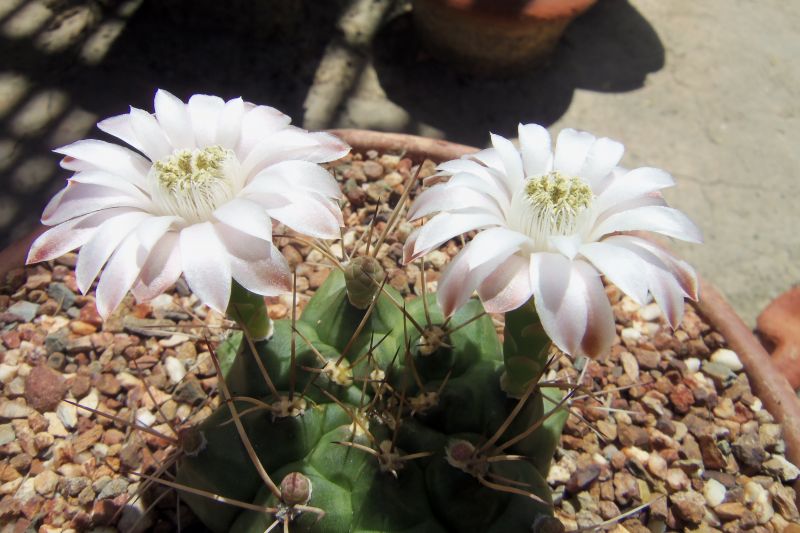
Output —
<point x="682" y="398"/>
<point x="80" y="386"/>
<point x="90" y="315"/>
<point x="108" y="385"/>
<point x="82" y="328"/>
<point x="11" y="339"/>
<point x="44" y="388"/>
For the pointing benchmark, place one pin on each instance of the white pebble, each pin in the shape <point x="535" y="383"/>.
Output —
<point x="90" y="401"/>
<point x="175" y="369"/>
<point x="630" y="365"/>
<point x="173" y="341"/>
<point x="714" y="491"/>
<point x="650" y="312"/>
<point x="693" y="364"/>
<point x="437" y="258"/>
<point x="100" y="450"/>
<point x="144" y="417"/>
<point x="728" y="358"/>
<point x="162" y="302"/>
<point x="558" y="475"/>
<point x="68" y="414"/>
<point x="631" y="334"/>
<point x="758" y="500"/>
<point x="7" y="373"/>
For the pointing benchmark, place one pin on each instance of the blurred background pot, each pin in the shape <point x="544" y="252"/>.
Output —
<point x="494" y="37"/>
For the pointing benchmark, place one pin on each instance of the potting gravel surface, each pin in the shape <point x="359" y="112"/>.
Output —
<point x="672" y="420"/>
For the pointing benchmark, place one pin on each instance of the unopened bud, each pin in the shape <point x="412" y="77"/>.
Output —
<point x="363" y="277"/>
<point x="295" y="489"/>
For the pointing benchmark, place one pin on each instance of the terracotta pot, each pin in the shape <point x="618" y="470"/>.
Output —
<point x="779" y="327"/>
<point x="494" y="36"/>
<point x="766" y="380"/>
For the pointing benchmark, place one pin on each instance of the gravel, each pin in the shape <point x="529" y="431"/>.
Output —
<point x="672" y="422"/>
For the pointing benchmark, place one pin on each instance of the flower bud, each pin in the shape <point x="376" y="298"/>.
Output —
<point x="363" y="277"/>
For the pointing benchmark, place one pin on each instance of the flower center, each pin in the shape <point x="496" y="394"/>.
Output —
<point x="550" y="205"/>
<point x="193" y="183"/>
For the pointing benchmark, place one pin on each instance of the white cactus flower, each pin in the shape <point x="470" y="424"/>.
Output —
<point x="197" y="196"/>
<point x="550" y="224"/>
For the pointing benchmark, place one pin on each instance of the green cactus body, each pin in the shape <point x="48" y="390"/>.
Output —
<point x="359" y="471"/>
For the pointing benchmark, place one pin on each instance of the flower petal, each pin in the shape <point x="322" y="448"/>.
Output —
<point x="631" y="185"/>
<point x="104" y="179"/>
<point x="410" y="245"/>
<point x="491" y="187"/>
<point x="560" y="301"/>
<point x="512" y="163"/>
<point x="445" y="197"/>
<point x="99" y="248"/>
<point x="295" y="175"/>
<point x="493" y="242"/>
<point x="667" y="292"/>
<point x="508" y="287"/>
<point x="256" y="264"/>
<point x="445" y="226"/>
<point x="293" y="144"/>
<point x="229" y="127"/>
<point x="120" y="127"/>
<point x="535" y="146"/>
<point x="161" y="270"/>
<point x="459" y="281"/>
<point x="79" y="199"/>
<point x="69" y="235"/>
<point x="112" y="158"/>
<point x="257" y="124"/>
<point x="571" y="149"/>
<point x="173" y="116"/>
<point x="682" y="271"/>
<point x="206" y="265"/>
<point x="603" y="155"/>
<point x="306" y="213"/>
<point x="204" y="111"/>
<point x="622" y="267"/>
<point x="566" y="244"/>
<point x="600" y="327"/>
<point x="247" y="217"/>
<point x="659" y="219"/>
<point x="121" y="271"/>
<point x="151" y="137"/>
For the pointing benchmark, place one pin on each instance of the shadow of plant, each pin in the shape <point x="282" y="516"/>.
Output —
<point x="611" y="48"/>
<point x="261" y="50"/>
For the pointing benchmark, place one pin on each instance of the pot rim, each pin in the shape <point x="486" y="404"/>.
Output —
<point x="768" y="383"/>
<point x="516" y="10"/>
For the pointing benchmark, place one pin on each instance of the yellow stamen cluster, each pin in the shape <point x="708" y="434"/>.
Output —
<point x="193" y="183"/>
<point x="558" y="197"/>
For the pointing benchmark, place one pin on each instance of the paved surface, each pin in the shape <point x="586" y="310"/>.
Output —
<point x="706" y="90"/>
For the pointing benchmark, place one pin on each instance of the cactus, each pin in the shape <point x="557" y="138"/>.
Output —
<point x="388" y="418"/>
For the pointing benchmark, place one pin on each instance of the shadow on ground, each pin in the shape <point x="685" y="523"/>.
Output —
<point x="611" y="48"/>
<point x="260" y="50"/>
<point x="69" y="63"/>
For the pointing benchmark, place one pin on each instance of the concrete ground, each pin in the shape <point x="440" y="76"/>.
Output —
<point x="706" y="90"/>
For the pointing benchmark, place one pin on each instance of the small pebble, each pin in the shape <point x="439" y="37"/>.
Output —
<point x="630" y="335"/>
<point x="728" y="358"/>
<point x="67" y="414"/>
<point x="650" y="312"/>
<point x="175" y="369"/>
<point x="714" y="491"/>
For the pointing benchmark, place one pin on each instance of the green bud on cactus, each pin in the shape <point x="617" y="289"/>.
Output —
<point x="363" y="277"/>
